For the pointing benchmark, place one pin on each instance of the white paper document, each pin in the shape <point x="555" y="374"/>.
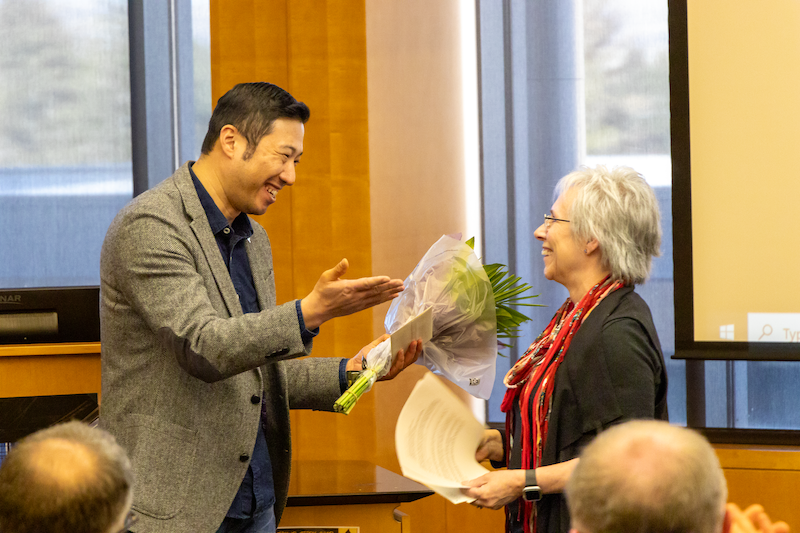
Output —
<point x="436" y="438"/>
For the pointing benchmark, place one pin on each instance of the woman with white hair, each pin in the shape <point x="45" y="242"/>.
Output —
<point x="599" y="360"/>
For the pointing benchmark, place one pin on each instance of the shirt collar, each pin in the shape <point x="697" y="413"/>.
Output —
<point x="217" y="221"/>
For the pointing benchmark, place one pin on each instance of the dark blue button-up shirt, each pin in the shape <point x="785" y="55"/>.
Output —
<point x="257" y="491"/>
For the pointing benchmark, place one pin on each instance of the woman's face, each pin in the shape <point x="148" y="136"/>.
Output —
<point x="563" y="257"/>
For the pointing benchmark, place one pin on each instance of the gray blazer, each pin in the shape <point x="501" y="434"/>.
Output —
<point x="183" y="369"/>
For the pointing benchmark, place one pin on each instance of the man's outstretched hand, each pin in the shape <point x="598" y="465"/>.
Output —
<point x="333" y="296"/>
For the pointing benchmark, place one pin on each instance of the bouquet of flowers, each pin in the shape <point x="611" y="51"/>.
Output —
<point x="471" y="309"/>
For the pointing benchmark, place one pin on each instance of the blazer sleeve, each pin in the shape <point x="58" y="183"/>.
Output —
<point x="157" y="278"/>
<point x="313" y="383"/>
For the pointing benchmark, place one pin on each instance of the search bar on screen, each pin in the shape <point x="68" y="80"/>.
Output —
<point x="773" y="327"/>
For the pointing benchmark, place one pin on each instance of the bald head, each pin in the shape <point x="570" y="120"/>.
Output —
<point x="68" y="478"/>
<point x="62" y="464"/>
<point x="647" y="476"/>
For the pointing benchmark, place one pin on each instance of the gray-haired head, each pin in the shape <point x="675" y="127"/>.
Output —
<point x="70" y="478"/>
<point x="619" y="209"/>
<point x="647" y="476"/>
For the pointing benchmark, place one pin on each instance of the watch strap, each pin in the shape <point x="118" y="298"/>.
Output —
<point x="531" y="492"/>
<point x="530" y="478"/>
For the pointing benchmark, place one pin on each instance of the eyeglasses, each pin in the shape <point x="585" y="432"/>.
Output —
<point x="548" y="220"/>
<point x="130" y="521"/>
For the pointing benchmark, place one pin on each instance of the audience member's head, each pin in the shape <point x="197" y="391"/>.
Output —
<point x="69" y="478"/>
<point x="647" y="476"/>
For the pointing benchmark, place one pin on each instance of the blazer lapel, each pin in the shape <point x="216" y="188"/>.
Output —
<point x="202" y="231"/>
<point x="259" y="253"/>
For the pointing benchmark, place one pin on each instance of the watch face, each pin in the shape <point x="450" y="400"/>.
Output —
<point x="532" y="494"/>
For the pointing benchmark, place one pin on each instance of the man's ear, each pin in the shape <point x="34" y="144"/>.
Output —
<point x="228" y="137"/>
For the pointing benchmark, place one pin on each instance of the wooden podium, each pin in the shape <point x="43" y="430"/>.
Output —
<point x="337" y="495"/>
<point x="43" y="384"/>
<point x="49" y="369"/>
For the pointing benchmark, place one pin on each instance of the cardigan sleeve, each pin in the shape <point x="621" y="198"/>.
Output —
<point x="634" y="366"/>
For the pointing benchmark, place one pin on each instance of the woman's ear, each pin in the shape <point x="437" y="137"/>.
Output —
<point x="591" y="246"/>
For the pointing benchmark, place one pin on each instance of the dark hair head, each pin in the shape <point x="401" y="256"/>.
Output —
<point x="252" y="108"/>
<point x="69" y="478"/>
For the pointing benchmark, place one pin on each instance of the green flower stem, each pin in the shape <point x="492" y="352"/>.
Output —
<point x="348" y="399"/>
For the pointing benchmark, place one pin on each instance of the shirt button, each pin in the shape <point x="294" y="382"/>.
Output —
<point x="255" y="399"/>
<point x="226" y="231"/>
<point x="244" y="457"/>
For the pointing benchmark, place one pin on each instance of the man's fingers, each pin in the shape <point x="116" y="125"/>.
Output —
<point x="417" y="353"/>
<point x="762" y="521"/>
<point x="781" y="527"/>
<point x="341" y="268"/>
<point x="366" y="303"/>
<point x="753" y="511"/>
<point x="403" y="359"/>
<point x="378" y="284"/>
<point x="397" y="365"/>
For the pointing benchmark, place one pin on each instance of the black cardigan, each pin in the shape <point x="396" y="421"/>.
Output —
<point x="613" y="371"/>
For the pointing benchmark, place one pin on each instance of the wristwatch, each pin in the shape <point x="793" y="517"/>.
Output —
<point x="531" y="492"/>
<point x="352" y="376"/>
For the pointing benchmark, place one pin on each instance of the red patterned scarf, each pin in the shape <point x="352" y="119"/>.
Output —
<point x="533" y="376"/>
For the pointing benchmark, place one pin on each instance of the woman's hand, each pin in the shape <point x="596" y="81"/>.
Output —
<point x="495" y="489"/>
<point x="491" y="447"/>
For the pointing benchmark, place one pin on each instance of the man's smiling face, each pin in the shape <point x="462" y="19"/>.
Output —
<point x="256" y="180"/>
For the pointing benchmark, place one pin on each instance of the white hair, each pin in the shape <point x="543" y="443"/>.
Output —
<point x="647" y="476"/>
<point x="619" y="209"/>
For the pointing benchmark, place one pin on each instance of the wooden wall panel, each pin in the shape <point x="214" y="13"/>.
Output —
<point x="766" y="475"/>
<point x="316" y="51"/>
<point x="417" y="189"/>
<point x="249" y="42"/>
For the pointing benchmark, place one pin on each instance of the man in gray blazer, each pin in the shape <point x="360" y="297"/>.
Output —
<point x="199" y="364"/>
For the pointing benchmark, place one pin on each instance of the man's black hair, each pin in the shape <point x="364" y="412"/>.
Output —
<point x="252" y="109"/>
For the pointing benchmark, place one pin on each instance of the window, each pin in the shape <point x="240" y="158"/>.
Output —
<point x="66" y="161"/>
<point x="626" y="53"/>
<point x="69" y="138"/>
<point x="565" y="84"/>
